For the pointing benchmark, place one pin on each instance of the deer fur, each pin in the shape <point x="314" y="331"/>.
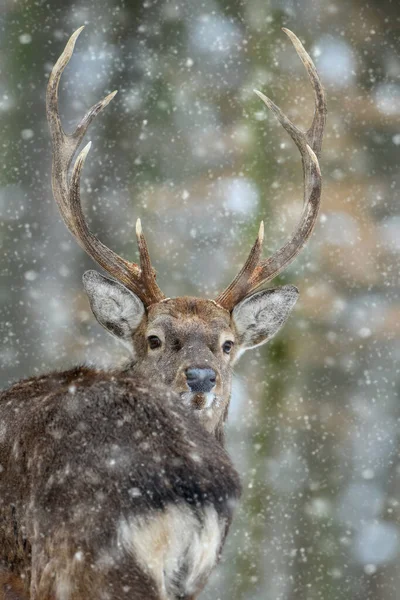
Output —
<point x="116" y="483"/>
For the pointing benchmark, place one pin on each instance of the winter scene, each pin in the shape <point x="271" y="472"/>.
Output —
<point x="199" y="300"/>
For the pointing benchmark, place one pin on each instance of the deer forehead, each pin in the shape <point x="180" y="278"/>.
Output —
<point x="186" y="315"/>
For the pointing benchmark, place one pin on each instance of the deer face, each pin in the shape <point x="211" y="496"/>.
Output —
<point x="189" y="344"/>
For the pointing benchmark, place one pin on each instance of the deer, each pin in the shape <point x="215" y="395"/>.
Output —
<point x="115" y="484"/>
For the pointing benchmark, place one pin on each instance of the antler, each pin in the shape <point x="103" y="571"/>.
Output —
<point x="255" y="272"/>
<point x="140" y="280"/>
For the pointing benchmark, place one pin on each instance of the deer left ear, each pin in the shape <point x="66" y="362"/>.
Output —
<point x="258" y="317"/>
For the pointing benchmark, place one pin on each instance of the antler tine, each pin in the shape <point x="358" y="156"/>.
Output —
<point x="147" y="272"/>
<point x="67" y="193"/>
<point x="255" y="272"/>
<point x="315" y="133"/>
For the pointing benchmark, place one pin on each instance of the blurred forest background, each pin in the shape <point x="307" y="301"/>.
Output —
<point x="187" y="146"/>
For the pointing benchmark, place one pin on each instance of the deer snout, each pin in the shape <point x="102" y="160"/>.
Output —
<point x="201" y="380"/>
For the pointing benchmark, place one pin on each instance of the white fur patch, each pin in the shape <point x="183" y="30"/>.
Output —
<point x="63" y="587"/>
<point x="3" y="432"/>
<point x="209" y="399"/>
<point x="175" y="546"/>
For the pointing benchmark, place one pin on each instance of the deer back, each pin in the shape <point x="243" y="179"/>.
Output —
<point x="99" y="465"/>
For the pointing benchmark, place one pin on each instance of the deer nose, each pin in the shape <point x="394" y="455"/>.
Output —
<point x="200" y="380"/>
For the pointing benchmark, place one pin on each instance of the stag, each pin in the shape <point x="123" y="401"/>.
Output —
<point x="116" y="484"/>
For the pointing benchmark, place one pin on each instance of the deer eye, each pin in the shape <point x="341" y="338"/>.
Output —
<point x="154" y="342"/>
<point x="227" y="347"/>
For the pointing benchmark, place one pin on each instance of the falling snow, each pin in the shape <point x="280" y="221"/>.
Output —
<point x="186" y="146"/>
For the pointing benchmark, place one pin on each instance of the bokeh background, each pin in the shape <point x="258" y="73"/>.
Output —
<point x="188" y="147"/>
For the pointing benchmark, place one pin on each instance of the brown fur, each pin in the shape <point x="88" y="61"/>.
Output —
<point x="99" y="467"/>
<point x="192" y="329"/>
<point x="11" y="587"/>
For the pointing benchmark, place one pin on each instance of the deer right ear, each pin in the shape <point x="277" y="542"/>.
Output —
<point x="115" y="307"/>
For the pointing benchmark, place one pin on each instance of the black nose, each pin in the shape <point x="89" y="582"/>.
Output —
<point x="200" y="380"/>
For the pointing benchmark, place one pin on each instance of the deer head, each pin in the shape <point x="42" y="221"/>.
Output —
<point x="190" y="344"/>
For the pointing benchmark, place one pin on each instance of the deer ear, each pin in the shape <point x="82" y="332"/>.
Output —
<point x="115" y="307"/>
<point x="258" y="317"/>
